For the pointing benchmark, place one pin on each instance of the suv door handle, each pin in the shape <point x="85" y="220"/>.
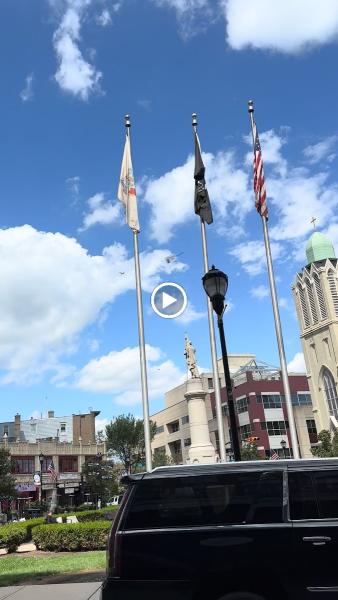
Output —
<point x="317" y="540"/>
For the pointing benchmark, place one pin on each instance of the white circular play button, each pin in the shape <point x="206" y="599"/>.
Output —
<point x="169" y="300"/>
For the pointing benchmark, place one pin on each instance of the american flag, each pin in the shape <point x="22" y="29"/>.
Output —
<point x="52" y="471"/>
<point x="259" y="180"/>
<point x="274" y="455"/>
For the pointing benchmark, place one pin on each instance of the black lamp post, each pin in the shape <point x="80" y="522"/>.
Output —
<point x="215" y="284"/>
<point x="283" y="444"/>
<point x="41" y="459"/>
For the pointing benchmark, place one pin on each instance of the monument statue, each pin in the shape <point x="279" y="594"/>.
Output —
<point x="190" y="355"/>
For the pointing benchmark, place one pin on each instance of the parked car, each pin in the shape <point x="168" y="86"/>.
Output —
<point x="263" y="530"/>
<point x="115" y="500"/>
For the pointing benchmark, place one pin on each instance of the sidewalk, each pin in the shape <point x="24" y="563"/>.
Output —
<point x="66" y="591"/>
<point x="29" y="547"/>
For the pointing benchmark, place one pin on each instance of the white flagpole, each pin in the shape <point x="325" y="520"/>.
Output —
<point x="143" y="360"/>
<point x="278" y="326"/>
<point x="217" y="387"/>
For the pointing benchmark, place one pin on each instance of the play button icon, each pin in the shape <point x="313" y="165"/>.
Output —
<point x="169" y="300"/>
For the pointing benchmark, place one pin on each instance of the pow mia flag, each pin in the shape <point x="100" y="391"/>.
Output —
<point x="202" y="201"/>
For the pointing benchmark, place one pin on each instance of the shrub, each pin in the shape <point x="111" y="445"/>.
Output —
<point x="107" y="513"/>
<point x="72" y="537"/>
<point x="11" y="536"/>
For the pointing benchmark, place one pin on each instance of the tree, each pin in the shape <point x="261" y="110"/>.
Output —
<point x="100" y="437"/>
<point x="250" y="451"/>
<point x="328" y="444"/>
<point x="99" y="477"/>
<point x="7" y="481"/>
<point x="125" y="440"/>
<point x="161" y="459"/>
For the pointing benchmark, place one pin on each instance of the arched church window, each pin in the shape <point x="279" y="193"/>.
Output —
<point x="333" y="288"/>
<point x="320" y="297"/>
<point x="312" y="303"/>
<point x="303" y="304"/>
<point x="330" y="389"/>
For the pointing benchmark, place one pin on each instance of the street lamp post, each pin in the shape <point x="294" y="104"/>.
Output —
<point x="283" y="444"/>
<point x="215" y="284"/>
<point x="41" y="459"/>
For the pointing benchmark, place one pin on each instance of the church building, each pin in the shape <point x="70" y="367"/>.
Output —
<point x="315" y="292"/>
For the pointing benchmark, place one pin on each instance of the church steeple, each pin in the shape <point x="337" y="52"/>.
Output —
<point x="319" y="247"/>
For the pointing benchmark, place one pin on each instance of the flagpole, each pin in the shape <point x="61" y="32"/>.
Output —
<point x="278" y="326"/>
<point x="143" y="360"/>
<point x="217" y="387"/>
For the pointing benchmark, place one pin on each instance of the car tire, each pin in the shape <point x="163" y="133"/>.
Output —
<point x="241" y="596"/>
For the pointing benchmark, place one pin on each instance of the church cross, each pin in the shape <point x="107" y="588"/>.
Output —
<point x="313" y="221"/>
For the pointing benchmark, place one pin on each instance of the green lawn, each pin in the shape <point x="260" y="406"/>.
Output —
<point x="15" y="569"/>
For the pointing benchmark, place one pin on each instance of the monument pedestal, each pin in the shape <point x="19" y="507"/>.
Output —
<point x="201" y="449"/>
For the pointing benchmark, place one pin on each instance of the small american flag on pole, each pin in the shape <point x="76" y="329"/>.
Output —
<point x="274" y="455"/>
<point x="52" y="471"/>
<point x="259" y="180"/>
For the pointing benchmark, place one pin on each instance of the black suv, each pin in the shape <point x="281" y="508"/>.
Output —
<point x="265" y="530"/>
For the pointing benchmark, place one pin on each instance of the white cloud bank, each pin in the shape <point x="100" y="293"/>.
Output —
<point x="192" y="15"/>
<point x="297" y="364"/>
<point x="323" y="150"/>
<point x="52" y="289"/>
<point x="118" y="371"/>
<point x="290" y="26"/>
<point x="100" y="212"/>
<point x="74" y="74"/>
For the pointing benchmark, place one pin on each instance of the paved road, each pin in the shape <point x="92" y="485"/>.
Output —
<point x="66" y="591"/>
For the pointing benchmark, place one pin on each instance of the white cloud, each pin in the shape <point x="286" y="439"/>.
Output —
<point x="283" y="302"/>
<point x="27" y="93"/>
<point x="290" y="26"/>
<point x="252" y="255"/>
<point x="118" y="373"/>
<point x="145" y="104"/>
<point x="322" y="150"/>
<point x="190" y="315"/>
<point x="101" y="212"/>
<point x="297" y="364"/>
<point x="74" y="74"/>
<point x="104" y="18"/>
<point x="192" y="15"/>
<point x="52" y="289"/>
<point x="101" y="424"/>
<point x="260" y="292"/>
<point x="171" y="196"/>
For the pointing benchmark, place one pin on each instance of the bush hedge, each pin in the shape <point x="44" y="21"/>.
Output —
<point x="72" y="537"/>
<point x="107" y="513"/>
<point x="11" y="536"/>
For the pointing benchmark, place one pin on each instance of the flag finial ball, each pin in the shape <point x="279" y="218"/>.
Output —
<point x="127" y="120"/>
<point x="250" y="106"/>
<point x="194" y="119"/>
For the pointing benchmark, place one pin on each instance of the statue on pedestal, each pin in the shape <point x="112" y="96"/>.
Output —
<point x="190" y="355"/>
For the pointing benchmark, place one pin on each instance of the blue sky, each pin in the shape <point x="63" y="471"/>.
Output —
<point x="71" y="69"/>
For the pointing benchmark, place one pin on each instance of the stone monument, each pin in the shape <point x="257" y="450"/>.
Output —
<point x="201" y="449"/>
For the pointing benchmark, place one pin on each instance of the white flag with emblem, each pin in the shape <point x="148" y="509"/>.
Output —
<point x="127" y="192"/>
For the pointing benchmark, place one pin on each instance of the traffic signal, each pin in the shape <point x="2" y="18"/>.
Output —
<point x="252" y="440"/>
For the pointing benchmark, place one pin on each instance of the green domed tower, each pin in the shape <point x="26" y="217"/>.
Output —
<point x="319" y="247"/>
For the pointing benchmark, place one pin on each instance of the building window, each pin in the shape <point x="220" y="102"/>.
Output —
<point x="305" y="312"/>
<point x="330" y="392"/>
<point x="23" y="464"/>
<point x="246" y="431"/>
<point x="301" y="399"/>
<point x="185" y="419"/>
<point x="210" y="383"/>
<point x="68" y="464"/>
<point x="173" y="427"/>
<point x="320" y="297"/>
<point x="242" y="405"/>
<point x="313" y="307"/>
<point x="270" y="400"/>
<point x="275" y="427"/>
<point x="159" y="429"/>
<point x="63" y="427"/>
<point x="312" y="430"/>
<point x="333" y="289"/>
<point x="5" y="429"/>
<point x="187" y="442"/>
<point x="46" y="462"/>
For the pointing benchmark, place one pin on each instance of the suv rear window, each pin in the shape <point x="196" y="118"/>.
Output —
<point x="234" y="498"/>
